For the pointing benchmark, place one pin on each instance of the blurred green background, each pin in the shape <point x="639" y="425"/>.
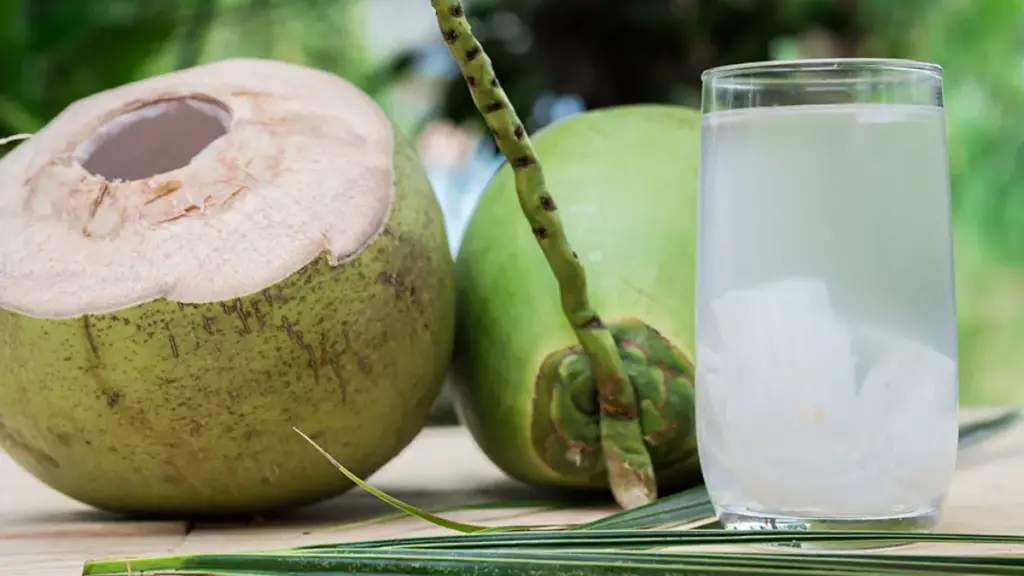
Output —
<point x="559" y="57"/>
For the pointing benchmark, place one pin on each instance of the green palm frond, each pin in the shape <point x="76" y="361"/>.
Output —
<point x="693" y="505"/>
<point x="553" y="553"/>
<point x="628" y="542"/>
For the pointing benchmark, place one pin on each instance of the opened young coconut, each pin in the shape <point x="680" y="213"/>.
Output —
<point x="192" y="265"/>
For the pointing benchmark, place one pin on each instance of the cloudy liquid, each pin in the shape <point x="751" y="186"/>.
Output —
<point x="826" y="324"/>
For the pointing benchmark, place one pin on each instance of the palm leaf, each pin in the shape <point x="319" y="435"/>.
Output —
<point x="652" y="539"/>
<point x="579" y="555"/>
<point x="623" y="543"/>
<point x="402" y="515"/>
<point x="693" y="505"/>
<point x="407" y="508"/>
<point x="976" y="431"/>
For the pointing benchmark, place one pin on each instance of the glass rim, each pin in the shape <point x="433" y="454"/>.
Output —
<point x="755" y="70"/>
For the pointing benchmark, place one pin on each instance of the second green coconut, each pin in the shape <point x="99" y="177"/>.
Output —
<point x="625" y="180"/>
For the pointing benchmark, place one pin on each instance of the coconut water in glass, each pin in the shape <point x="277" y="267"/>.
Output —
<point x="826" y="326"/>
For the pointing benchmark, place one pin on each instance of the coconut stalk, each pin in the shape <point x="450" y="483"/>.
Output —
<point x="630" y="469"/>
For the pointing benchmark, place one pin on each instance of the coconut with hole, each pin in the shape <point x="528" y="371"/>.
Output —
<point x="195" y="263"/>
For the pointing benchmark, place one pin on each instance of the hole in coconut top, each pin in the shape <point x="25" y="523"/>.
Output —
<point x="154" y="139"/>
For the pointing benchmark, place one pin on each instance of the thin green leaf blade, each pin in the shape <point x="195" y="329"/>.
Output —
<point x="973" y="432"/>
<point x="651" y="539"/>
<point x="689" y="506"/>
<point x="546" y="505"/>
<point x="404" y="507"/>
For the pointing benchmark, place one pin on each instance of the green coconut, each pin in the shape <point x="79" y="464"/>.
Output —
<point x="625" y="184"/>
<point x="573" y="364"/>
<point x="192" y="265"/>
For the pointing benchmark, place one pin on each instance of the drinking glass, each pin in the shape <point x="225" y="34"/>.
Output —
<point x="826" y="338"/>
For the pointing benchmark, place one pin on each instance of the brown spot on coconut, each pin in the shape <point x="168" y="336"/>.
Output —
<point x="142" y="213"/>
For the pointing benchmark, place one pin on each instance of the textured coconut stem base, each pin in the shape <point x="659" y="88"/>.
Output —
<point x="565" y="425"/>
<point x="631" y="473"/>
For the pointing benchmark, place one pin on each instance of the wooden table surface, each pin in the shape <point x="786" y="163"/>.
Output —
<point x="44" y="533"/>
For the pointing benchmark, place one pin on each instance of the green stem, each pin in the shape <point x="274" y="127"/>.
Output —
<point x="630" y="471"/>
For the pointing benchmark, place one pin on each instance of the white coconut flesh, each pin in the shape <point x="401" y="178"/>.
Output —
<point x="197" y="186"/>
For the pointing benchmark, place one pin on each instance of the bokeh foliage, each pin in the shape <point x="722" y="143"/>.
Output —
<point x="614" y="53"/>
<point x="980" y="45"/>
<point x="57" y="51"/>
<point x="53" y="52"/>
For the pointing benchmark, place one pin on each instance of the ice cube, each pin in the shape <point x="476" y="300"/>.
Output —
<point x="782" y="385"/>
<point x="781" y="346"/>
<point x="910" y="392"/>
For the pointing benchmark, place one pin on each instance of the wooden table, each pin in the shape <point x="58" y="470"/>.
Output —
<point x="44" y="533"/>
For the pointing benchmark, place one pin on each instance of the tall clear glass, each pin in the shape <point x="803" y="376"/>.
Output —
<point x="826" y="324"/>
